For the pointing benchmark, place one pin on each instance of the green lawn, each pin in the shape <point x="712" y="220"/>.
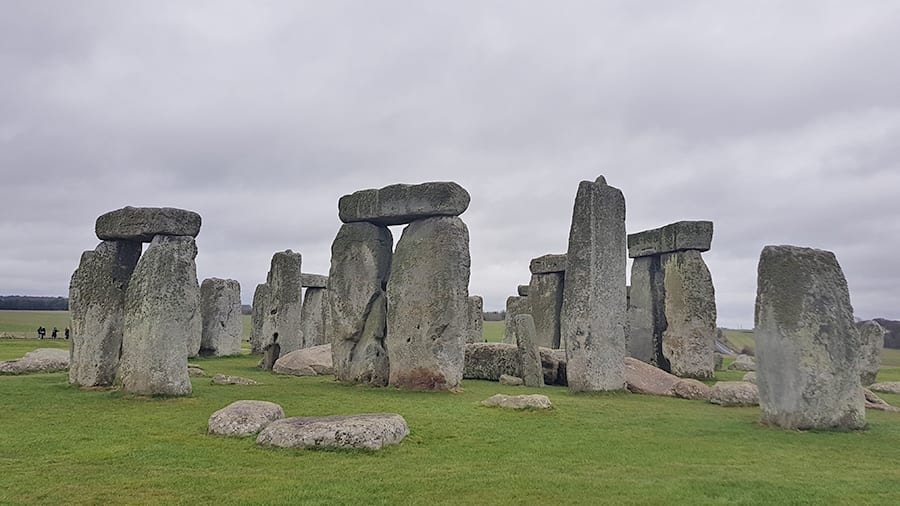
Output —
<point x="66" y="446"/>
<point x="740" y="339"/>
<point x="493" y="331"/>
<point x="25" y="323"/>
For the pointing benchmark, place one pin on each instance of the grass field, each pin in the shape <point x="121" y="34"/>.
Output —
<point x="61" y="445"/>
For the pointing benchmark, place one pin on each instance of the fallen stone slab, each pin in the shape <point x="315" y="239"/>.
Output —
<point x="678" y="236"/>
<point x="223" y="379"/>
<point x="362" y="432"/>
<point x="39" y="360"/>
<point x="511" y="381"/>
<point x="244" y="418"/>
<point x="532" y="402"/>
<point x="143" y="223"/>
<point x="548" y="264"/>
<point x="691" y="389"/>
<point x="313" y="361"/>
<point x="750" y="377"/>
<point x="887" y="387"/>
<point x="313" y="280"/>
<point x="643" y="378"/>
<point x="874" y="402"/>
<point x="734" y="393"/>
<point x="488" y="361"/>
<point x="195" y="371"/>
<point x="399" y="204"/>
<point x="743" y="363"/>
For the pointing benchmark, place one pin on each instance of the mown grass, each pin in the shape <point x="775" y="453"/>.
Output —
<point x="740" y="339"/>
<point x="493" y="331"/>
<point x="25" y="323"/>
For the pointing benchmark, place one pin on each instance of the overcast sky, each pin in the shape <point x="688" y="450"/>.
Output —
<point x="779" y="121"/>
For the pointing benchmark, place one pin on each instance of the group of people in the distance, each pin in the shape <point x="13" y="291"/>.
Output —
<point x="42" y="333"/>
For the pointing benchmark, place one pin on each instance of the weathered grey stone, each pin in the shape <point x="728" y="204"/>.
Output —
<point x="742" y="363"/>
<point x="162" y="319"/>
<point x="475" y="317"/>
<point x="522" y="290"/>
<point x="734" y="393"/>
<point x="518" y="402"/>
<point x="427" y="305"/>
<point x="548" y="264"/>
<point x="749" y="377"/>
<point x="593" y="312"/>
<point x="143" y="223"/>
<point x="220" y="310"/>
<point x="39" y="360"/>
<point x="515" y="306"/>
<point x="489" y="361"/>
<point x="313" y="361"/>
<point x="313" y="280"/>
<point x="689" y="340"/>
<point x="312" y="317"/>
<point x="872" y="342"/>
<point x="643" y="378"/>
<point x="195" y="371"/>
<point x="363" y="432"/>
<point x="872" y="401"/>
<point x="224" y="379"/>
<point x="807" y="347"/>
<point x="719" y="360"/>
<point x="259" y="312"/>
<point x="97" y="306"/>
<point x="402" y="203"/>
<point x="689" y="388"/>
<point x="679" y="236"/>
<point x="545" y="302"/>
<point x="357" y="306"/>
<point x="244" y="418"/>
<point x="281" y="325"/>
<point x="511" y="381"/>
<point x="529" y="356"/>
<point x="886" y="387"/>
<point x="646" y="312"/>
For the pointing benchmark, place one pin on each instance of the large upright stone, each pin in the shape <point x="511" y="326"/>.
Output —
<point x="593" y="312"/>
<point x="97" y="306"/>
<point x="515" y="306"/>
<point x="646" y="312"/>
<point x="689" y="341"/>
<point x="872" y="343"/>
<point x="143" y="223"/>
<point x="357" y="306"/>
<point x="220" y="308"/>
<point x="807" y="347"/>
<point x="398" y="204"/>
<point x="545" y="297"/>
<point x="162" y="319"/>
<point x="312" y="317"/>
<point x="475" y="312"/>
<point x="258" y="314"/>
<point x="427" y="300"/>
<point x="529" y="356"/>
<point x="678" y="236"/>
<point x="282" y="323"/>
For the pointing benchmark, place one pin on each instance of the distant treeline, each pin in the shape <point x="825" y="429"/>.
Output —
<point x="28" y="303"/>
<point x="494" y="316"/>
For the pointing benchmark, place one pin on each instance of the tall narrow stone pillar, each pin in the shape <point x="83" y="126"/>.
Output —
<point x="545" y="296"/>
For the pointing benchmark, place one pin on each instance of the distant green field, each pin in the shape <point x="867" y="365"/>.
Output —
<point x="25" y="323"/>
<point x="740" y="339"/>
<point x="493" y="331"/>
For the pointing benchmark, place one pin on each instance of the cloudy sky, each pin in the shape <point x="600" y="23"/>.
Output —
<point x="779" y="121"/>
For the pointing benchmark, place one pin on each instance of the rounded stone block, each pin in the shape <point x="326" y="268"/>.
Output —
<point x="143" y="223"/>
<point x="244" y="418"/>
<point x="403" y="203"/>
<point x="361" y="432"/>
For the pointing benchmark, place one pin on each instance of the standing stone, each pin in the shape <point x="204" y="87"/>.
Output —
<point x="689" y="341"/>
<point x="475" y="312"/>
<point x="872" y="342"/>
<point x="593" y="312"/>
<point x="545" y="297"/>
<point x="646" y="315"/>
<point x="398" y="204"/>
<point x="515" y="306"/>
<point x="529" y="356"/>
<point x="282" y="324"/>
<point x="427" y="300"/>
<point x="220" y="308"/>
<point x="312" y="317"/>
<point x="144" y="223"/>
<point x="258" y="317"/>
<point x="162" y="319"/>
<point x="357" y="306"/>
<point x="807" y="347"/>
<point x="97" y="305"/>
